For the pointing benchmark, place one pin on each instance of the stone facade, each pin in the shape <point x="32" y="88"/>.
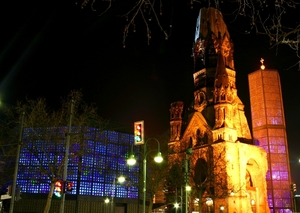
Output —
<point x="224" y="164"/>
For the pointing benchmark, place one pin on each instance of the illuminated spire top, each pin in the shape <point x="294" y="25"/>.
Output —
<point x="212" y="38"/>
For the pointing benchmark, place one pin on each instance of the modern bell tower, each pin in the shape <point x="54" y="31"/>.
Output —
<point x="269" y="132"/>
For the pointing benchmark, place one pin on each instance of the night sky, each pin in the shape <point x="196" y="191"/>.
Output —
<point x="48" y="48"/>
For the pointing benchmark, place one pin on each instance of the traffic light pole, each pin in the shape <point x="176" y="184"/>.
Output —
<point x="14" y="185"/>
<point x="62" y="204"/>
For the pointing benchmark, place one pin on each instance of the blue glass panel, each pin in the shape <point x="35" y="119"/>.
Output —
<point x="44" y="188"/>
<point x="85" y="188"/>
<point x="109" y="190"/>
<point x="87" y="174"/>
<point x="74" y="147"/>
<point x="98" y="189"/>
<point x="112" y="137"/>
<point x="88" y="161"/>
<point x="109" y="177"/>
<point x="72" y="173"/>
<point x="99" y="176"/>
<point x="101" y="136"/>
<point x="121" y="192"/>
<point x="122" y="165"/>
<point x="22" y="184"/>
<point x="102" y="160"/>
<point x="133" y="192"/>
<point x="113" y="150"/>
<point x="90" y="133"/>
<point x="112" y="163"/>
<point x="124" y="138"/>
<point x="32" y="187"/>
<point x="100" y="148"/>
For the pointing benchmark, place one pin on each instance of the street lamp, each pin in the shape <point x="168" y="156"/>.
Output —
<point x="121" y="179"/>
<point x="158" y="159"/>
<point x="106" y="200"/>
<point x="176" y="205"/>
<point x="209" y="202"/>
<point x="131" y="160"/>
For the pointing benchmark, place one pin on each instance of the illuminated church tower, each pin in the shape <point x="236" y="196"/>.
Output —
<point x="224" y="165"/>
<point x="268" y="125"/>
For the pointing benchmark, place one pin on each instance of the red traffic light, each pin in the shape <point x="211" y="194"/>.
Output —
<point x="139" y="132"/>
<point x="70" y="185"/>
<point x="58" y="188"/>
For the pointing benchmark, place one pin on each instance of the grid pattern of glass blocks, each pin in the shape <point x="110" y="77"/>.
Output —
<point x="93" y="165"/>
<point x="269" y="132"/>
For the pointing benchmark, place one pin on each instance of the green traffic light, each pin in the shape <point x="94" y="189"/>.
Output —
<point x="137" y="138"/>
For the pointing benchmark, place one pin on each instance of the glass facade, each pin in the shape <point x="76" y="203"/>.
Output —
<point x="268" y="125"/>
<point x="97" y="159"/>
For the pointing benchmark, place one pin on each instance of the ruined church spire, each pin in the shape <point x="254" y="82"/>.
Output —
<point x="215" y="92"/>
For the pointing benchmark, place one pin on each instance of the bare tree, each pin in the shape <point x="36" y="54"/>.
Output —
<point x="44" y="136"/>
<point x="276" y="19"/>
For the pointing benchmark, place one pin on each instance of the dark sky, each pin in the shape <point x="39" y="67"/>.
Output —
<point x="48" y="48"/>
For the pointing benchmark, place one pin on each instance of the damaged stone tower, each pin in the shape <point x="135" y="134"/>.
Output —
<point x="225" y="165"/>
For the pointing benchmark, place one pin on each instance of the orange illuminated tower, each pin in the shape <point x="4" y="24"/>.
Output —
<point x="210" y="140"/>
<point x="269" y="132"/>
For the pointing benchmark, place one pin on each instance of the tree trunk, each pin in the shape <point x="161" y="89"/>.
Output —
<point x="49" y="198"/>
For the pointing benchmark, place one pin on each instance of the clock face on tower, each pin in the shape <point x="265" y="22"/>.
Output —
<point x="199" y="100"/>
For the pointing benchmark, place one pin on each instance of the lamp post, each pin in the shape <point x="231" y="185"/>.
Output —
<point x="158" y="159"/>
<point x="121" y="179"/>
<point x="176" y="205"/>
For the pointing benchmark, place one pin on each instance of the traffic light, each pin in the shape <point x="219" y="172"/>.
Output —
<point x="293" y="187"/>
<point x="59" y="188"/>
<point x="70" y="185"/>
<point x="139" y="132"/>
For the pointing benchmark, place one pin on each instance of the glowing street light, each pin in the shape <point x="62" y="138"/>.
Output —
<point x="209" y="202"/>
<point x="131" y="160"/>
<point x="176" y="205"/>
<point x="158" y="159"/>
<point x="121" y="179"/>
<point x="117" y="180"/>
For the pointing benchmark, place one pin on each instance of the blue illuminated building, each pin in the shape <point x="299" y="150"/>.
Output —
<point x="96" y="159"/>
